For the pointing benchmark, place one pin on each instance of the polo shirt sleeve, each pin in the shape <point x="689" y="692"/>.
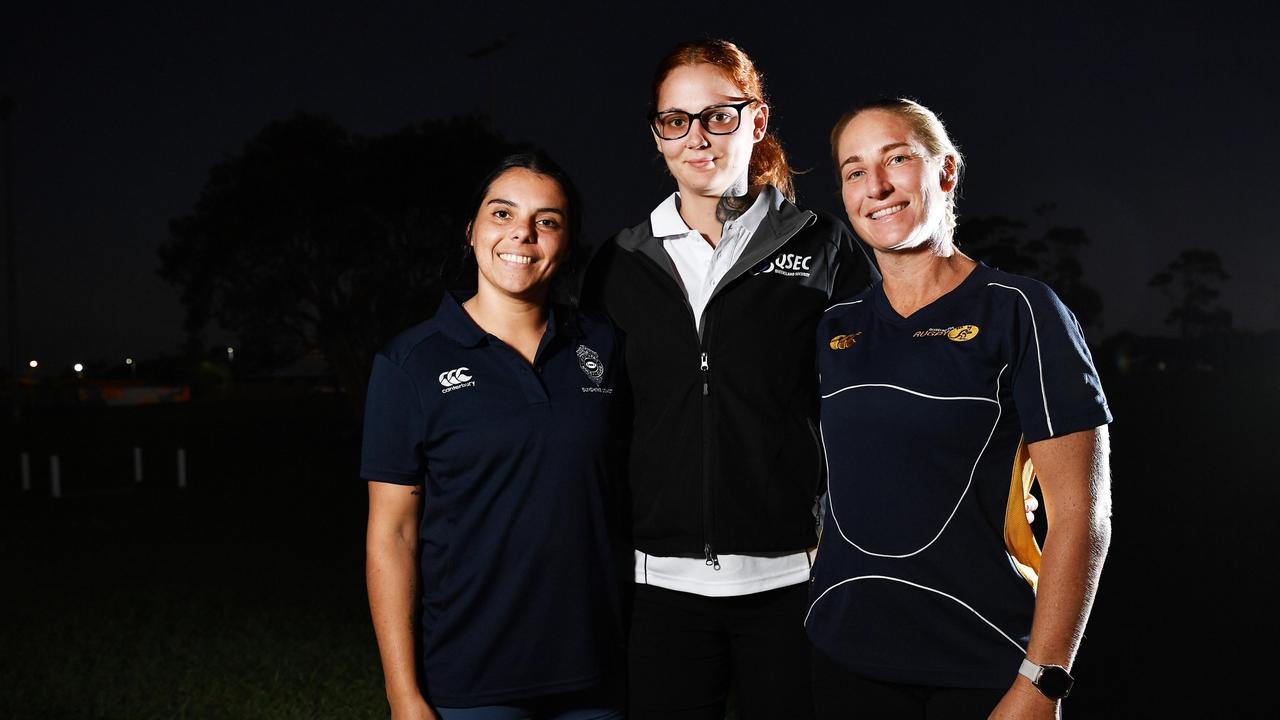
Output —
<point x="1055" y="386"/>
<point x="394" y="427"/>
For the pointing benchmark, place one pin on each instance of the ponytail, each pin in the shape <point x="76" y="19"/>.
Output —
<point x="769" y="166"/>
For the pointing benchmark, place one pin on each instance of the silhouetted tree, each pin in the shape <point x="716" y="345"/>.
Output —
<point x="311" y="237"/>
<point x="1191" y="281"/>
<point x="1063" y="272"/>
<point x="997" y="241"/>
<point x="1052" y="258"/>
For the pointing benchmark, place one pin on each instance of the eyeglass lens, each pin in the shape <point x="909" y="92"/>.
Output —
<point x="717" y="120"/>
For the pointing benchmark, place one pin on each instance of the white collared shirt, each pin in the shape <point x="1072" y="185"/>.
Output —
<point x="701" y="268"/>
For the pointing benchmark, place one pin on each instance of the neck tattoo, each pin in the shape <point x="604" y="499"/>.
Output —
<point x="734" y="202"/>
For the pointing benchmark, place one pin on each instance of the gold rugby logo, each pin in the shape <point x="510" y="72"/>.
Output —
<point x="955" y="333"/>
<point x="844" y="342"/>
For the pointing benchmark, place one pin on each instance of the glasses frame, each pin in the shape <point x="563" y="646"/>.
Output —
<point x="739" y="107"/>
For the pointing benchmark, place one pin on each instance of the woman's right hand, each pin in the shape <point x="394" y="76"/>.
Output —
<point x="412" y="708"/>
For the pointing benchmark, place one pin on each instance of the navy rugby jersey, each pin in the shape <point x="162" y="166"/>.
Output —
<point x="923" y="422"/>
<point x="520" y="593"/>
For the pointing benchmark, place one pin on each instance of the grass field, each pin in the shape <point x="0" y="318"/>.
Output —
<point x="239" y="597"/>
<point x="242" y="596"/>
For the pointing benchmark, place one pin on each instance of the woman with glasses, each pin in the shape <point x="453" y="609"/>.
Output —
<point x="489" y="457"/>
<point x="717" y="294"/>
<point x="931" y="598"/>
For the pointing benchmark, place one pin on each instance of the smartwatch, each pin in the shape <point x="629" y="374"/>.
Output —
<point x="1053" y="681"/>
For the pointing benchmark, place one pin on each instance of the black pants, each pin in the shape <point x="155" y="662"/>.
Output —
<point x="839" y="694"/>
<point x="686" y="651"/>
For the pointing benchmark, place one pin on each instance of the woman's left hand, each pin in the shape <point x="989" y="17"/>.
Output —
<point x="1024" y="702"/>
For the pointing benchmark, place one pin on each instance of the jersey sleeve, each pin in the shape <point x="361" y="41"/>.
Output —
<point x="1056" y="387"/>
<point x="394" y="427"/>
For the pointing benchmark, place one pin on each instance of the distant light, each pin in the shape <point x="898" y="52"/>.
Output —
<point x="128" y="361"/>
<point x="33" y="364"/>
<point x="231" y="353"/>
<point x="78" y="367"/>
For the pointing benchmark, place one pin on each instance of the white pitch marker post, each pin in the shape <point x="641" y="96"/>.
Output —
<point x="24" y="469"/>
<point x="55" y="477"/>
<point x="182" y="468"/>
<point x="137" y="464"/>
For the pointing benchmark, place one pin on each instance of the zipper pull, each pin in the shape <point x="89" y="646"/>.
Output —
<point x="713" y="560"/>
<point x="705" y="389"/>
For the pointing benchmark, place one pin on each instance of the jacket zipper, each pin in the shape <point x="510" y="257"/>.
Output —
<point x="700" y="334"/>
<point x="713" y="560"/>
<point x="708" y="514"/>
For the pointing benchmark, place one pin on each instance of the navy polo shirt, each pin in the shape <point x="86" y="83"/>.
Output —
<point x="922" y="419"/>
<point x="519" y="587"/>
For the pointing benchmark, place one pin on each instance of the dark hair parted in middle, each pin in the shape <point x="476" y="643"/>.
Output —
<point x="538" y="162"/>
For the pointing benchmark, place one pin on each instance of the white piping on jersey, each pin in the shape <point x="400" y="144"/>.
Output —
<point x="1044" y="398"/>
<point x="833" y="307"/>
<point x="913" y="392"/>
<point x="831" y="498"/>
<point x="962" y="603"/>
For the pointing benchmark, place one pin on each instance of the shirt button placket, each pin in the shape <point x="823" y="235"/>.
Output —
<point x="534" y="388"/>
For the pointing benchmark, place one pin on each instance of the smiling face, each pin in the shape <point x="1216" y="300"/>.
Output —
<point x="702" y="163"/>
<point x="893" y="190"/>
<point x="520" y="234"/>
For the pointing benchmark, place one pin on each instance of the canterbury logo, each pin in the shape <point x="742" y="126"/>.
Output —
<point x="457" y="376"/>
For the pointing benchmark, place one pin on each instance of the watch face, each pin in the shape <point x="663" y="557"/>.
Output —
<point x="1054" y="682"/>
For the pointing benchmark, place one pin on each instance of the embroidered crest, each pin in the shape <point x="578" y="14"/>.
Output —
<point x="844" y="342"/>
<point x="590" y="363"/>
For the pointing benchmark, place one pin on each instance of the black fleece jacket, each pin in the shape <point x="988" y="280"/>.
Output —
<point x="724" y="448"/>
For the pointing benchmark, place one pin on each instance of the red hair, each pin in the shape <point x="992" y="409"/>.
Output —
<point x="769" y="164"/>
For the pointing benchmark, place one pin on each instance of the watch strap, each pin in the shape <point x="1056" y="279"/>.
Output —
<point x="1029" y="670"/>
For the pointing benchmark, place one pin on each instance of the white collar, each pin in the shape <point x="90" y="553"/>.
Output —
<point x="666" y="221"/>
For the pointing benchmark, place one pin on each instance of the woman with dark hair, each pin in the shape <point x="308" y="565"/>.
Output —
<point x="718" y="293"/>
<point x="488" y="458"/>
<point x="945" y="390"/>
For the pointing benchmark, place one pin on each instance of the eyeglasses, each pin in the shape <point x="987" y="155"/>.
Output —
<point x="716" y="120"/>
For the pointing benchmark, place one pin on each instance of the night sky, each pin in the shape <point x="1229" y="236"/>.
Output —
<point x="1150" y="131"/>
